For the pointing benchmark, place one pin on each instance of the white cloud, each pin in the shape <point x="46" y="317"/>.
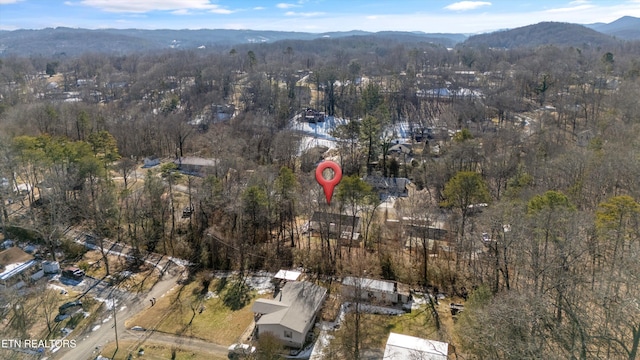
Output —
<point x="119" y="6"/>
<point x="222" y="11"/>
<point x="467" y="5"/>
<point x="303" y="14"/>
<point x="6" y="2"/>
<point x="181" y="12"/>
<point x="571" y="8"/>
<point x="259" y="8"/>
<point x="286" y="5"/>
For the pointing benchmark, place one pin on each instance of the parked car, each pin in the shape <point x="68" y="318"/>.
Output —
<point x="70" y="307"/>
<point x="74" y="273"/>
<point x="239" y="350"/>
<point x="61" y="317"/>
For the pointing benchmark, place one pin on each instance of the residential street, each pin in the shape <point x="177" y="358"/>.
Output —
<point x="129" y="305"/>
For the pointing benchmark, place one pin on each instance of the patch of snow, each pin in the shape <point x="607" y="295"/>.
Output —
<point x="95" y="327"/>
<point x="210" y="295"/>
<point x="108" y="303"/>
<point x="180" y="262"/>
<point x="261" y="282"/>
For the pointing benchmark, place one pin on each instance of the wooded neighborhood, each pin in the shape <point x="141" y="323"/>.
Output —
<point x="488" y="207"/>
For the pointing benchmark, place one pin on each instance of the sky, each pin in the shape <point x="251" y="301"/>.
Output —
<point x="317" y="16"/>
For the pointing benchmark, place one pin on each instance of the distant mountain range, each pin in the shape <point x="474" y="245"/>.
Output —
<point x="626" y="28"/>
<point x="67" y="41"/>
<point x="545" y="33"/>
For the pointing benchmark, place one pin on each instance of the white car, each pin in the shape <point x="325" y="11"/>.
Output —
<point x="241" y="349"/>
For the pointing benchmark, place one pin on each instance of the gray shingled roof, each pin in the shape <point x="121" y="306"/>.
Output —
<point x="300" y="299"/>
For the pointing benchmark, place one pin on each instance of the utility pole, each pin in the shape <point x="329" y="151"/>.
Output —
<point x="115" y="321"/>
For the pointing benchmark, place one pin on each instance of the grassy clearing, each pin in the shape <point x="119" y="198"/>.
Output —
<point x="186" y="311"/>
<point x="375" y="329"/>
<point x="154" y="351"/>
<point x="418" y="323"/>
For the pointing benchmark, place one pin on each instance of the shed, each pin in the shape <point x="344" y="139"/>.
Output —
<point x="289" y="275"/>
<point x="51" y="267"/>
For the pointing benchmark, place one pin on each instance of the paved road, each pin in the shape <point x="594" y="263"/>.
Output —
<point x="170" y="340"/>
<point x="101" y="333"/>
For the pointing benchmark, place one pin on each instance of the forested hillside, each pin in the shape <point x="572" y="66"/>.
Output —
<point x="502" y="172"/>
<point x="545" y="33"/>
<point x="63" y="41"/>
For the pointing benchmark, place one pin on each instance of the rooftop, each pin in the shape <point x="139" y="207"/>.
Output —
<point x="13" y="261"/>
<point x="13" y="255"/>
<point x="370" y="284"/>
<point x="331" y="218"/>
<point x="289" y="275"/>
<point x="294" y="306"/>
<point x="197" y="161"/>
<point x="403" y="347"/>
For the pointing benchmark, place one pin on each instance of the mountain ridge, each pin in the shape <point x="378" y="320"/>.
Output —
<point x="544" y="33"/>
<point x="73" y="41"/>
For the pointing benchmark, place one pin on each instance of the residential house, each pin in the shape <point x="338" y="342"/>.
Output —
<point x="312" y="116"/>
<point x="375" y="291"/>
<point x="223" y="113"/>
<point x="387" y="186"/>
<point x="291" y="314"/>
<point x="400" y="149"/>
<point x="405" y="347"/>
<point x="16" y="266"/>
<point x="151" y="161"/>
<point x="430" y="231"/>
<point x="335" y="224"/>
<point x="196" y="165"/>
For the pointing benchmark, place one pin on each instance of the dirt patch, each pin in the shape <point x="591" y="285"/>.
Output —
<point x="155" y="351"/>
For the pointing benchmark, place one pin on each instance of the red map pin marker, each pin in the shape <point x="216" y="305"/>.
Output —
<point x="328" y="185"/>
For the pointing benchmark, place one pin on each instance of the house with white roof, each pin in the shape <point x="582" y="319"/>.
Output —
<point x="287" y="275"/>
<point x="404" y="347"/>
<point x="291" y="314"/>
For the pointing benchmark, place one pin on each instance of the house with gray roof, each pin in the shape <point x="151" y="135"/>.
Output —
<point x="197" y="166"/>
<point x="390" y="186"/>
<point x="290" y="315"/>
<point x="375" y="291"/>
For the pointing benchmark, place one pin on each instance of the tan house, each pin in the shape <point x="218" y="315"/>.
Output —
<point x="291" y="314"/>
